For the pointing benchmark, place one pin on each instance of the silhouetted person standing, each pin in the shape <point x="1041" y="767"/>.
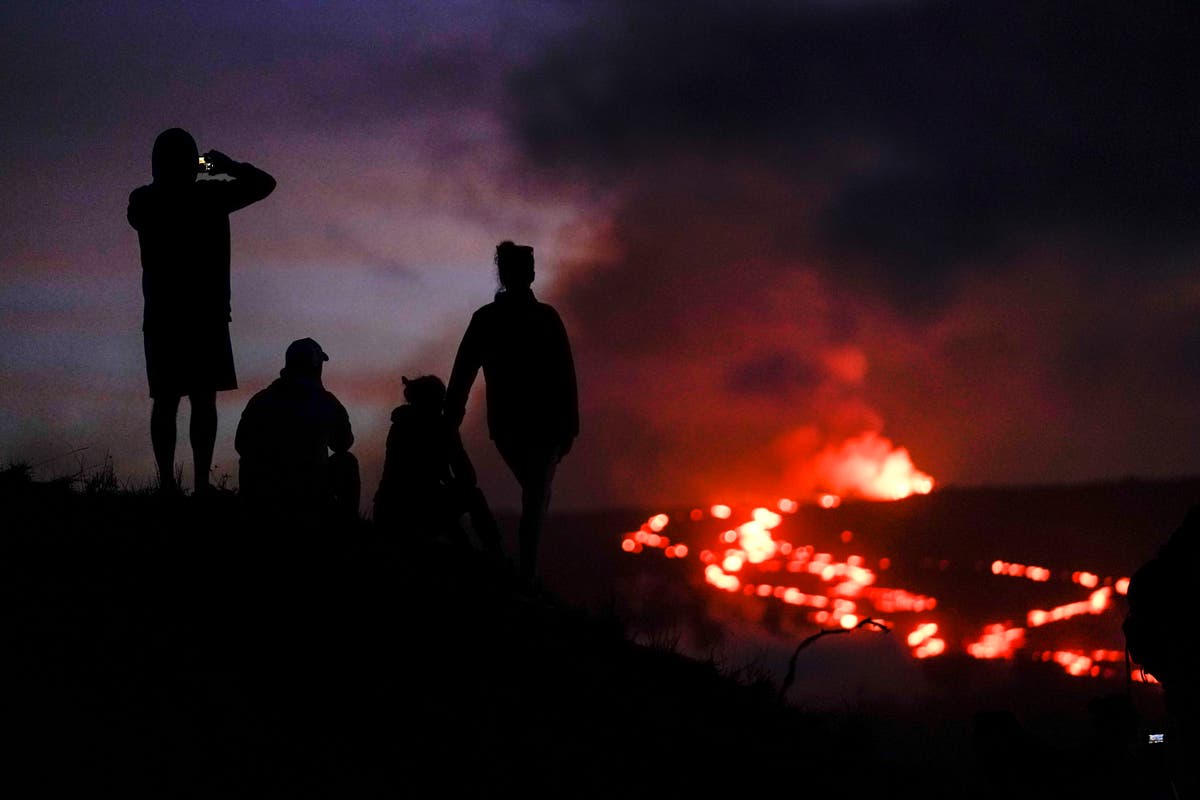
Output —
<point x="183" y="231"/>
<point x="428" y="481"/>
<point x="532" y="400"/>
<point x="285" y="437"/>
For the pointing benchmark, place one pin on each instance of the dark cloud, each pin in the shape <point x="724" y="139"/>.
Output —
<point x="968" y="226"/>
<point x="949" y="128"/>
<point x="964" y="224"/>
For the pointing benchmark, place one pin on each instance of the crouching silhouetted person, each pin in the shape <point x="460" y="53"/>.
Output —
<point x="428" y="482"/>
<point x="285" y="437"/>
<point x="532" y="400"/>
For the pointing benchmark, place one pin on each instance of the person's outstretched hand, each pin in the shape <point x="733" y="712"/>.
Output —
<point x="221" y="163"/>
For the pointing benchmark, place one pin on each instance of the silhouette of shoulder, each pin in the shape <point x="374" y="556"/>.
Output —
<point x="271" y="412"/>
<point x="139" y="202"/>
<point x="504" y="308"/>
<point x="419" y="431"/>
<point x="510" y="330"/>
<point x="522" y="347"/>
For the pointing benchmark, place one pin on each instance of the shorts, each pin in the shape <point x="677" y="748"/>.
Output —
<point x="189" y="360"/>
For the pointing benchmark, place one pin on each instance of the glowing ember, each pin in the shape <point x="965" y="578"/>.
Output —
<point x="1097" y="603"/>
<point x="997" y="642"/>
<point x="766" y="518"/>
<point x="931" y="648"/>
<point x="923" y="642"/>
<point x="714" y="575"/>
<point x="1037" y="574"/>
<point x="1082" y="664"/>
<point x="922" y="633"/>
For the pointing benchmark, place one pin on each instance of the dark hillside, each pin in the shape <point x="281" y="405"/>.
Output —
<point x="160" y="647"/>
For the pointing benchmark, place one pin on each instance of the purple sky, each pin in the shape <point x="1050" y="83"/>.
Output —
<point x="770" y="228"/>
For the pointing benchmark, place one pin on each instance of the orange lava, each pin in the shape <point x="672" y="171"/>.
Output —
<point x="997" y="641"/>
<point x="743" y="555"/>
<point x="870" y="466"/>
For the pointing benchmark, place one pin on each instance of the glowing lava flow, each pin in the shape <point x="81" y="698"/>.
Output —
<point x="849" y="583"/>
<point x="1097" y="603"/>
<point x="745" y="554"/>
<point x="923" y="642"/>
<point x="1080" y="664"/>
<point x="1037" y="574"/>
<point x="648" y="536"/>
<point x="997" y="642"/>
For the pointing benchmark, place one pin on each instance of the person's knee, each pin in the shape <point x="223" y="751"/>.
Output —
<point x="537" y="489"/>
<point x="202" y="403"/>
<point x="164" y="406"/>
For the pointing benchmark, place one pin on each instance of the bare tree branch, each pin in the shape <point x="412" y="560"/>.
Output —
<point x="790" y="678"/>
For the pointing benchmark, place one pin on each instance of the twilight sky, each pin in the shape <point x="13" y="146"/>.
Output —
<point x="771" y="228"/>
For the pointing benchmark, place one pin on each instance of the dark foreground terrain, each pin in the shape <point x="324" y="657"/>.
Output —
<point x="157" y="647"/>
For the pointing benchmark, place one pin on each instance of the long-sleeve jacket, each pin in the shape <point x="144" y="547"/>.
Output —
<point x="184" y="236"/>
<point x="522" y="347"/>
<point x="284" y="438"/>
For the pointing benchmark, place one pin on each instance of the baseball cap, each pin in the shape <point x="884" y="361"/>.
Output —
<point x="305" y="354"/>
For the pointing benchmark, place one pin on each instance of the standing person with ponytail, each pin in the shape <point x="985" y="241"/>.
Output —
<point x="532" y="399"/>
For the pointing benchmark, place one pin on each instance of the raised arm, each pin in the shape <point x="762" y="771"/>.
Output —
<point x="466" y="367"/>
<point x="249" y="185"/>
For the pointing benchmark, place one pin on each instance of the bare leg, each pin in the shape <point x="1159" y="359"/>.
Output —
<point x="162" y="439"/>
<point x="203" y="431"/>
<point x="533" y="466"/>
<point x="535" y="500"/>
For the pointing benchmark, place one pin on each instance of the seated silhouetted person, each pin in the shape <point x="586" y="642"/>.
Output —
<point x="532" y="401"/>
<point x="285" y="437"/>
<point x="183" y="231"/>
<point x="428" y="482"/>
